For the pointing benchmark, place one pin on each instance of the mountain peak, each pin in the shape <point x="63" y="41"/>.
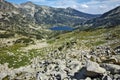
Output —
<point x="28" y="3"/>
<point x="69" y="8"/>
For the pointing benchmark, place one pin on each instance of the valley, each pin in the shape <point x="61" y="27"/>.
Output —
<point x="46" y="43"/>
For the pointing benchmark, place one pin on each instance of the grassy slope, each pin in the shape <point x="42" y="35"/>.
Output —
<point x="85" y="39"/>
<point x="89" y="38"/>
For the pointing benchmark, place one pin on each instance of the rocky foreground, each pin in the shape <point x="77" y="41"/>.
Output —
<point x="101" y="63"/>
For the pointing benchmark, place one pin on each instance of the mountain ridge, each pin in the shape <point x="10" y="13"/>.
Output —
<point x="66" y="15"/>
<point x="108" y="19"/>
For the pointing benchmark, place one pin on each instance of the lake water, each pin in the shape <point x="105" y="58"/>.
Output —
<point x="62" y="28"/>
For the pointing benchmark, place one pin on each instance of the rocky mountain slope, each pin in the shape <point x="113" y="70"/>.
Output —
<point x="6" y="6"/>
<point x="108" y="19"/>
<point x="74" y="55"/>
<point x="77" y="65"/>
<point x="13" y="21"/>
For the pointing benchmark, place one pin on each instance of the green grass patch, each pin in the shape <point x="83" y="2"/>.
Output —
<point x="92" y="37"/>
<point x="99" y="43"/>
<point x="12" y="48"/>
<point x="17" y="58"/>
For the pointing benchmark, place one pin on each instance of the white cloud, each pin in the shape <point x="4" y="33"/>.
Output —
<point x="74" y="6"/>
<point x="84" y="6"/>
<point x="103" y="7"/>
<point x="37" y="0"/>
<point x="66" y="3"/>
<point x="91" y="6"/>
<point x="100" y="6"/>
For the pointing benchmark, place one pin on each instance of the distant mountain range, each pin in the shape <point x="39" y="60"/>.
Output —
<point x="44" y="15"/>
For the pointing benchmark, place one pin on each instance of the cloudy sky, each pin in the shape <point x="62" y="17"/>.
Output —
<point x="88" y="6"/>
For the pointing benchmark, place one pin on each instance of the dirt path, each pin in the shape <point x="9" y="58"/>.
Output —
<point x="37" y="45"/>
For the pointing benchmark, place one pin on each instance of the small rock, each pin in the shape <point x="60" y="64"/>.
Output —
<point x="88" y="78"/>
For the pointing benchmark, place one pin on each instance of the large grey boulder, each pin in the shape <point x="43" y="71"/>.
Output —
<point x="88" y="78"/>
<point x="92" y="69"/>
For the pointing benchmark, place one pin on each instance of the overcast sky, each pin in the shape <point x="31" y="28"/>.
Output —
<point x="88" y="6"/>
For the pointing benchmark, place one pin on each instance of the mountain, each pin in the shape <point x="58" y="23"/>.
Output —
<point x="108" y="19"/>
<point x="30" y="19"/>
<point x="14" y="21"/>
<point x="44" y="15"/>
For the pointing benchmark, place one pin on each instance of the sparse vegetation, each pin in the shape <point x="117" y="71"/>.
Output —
<point x="16" y="58"/>
<point x="88" y="38"/>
